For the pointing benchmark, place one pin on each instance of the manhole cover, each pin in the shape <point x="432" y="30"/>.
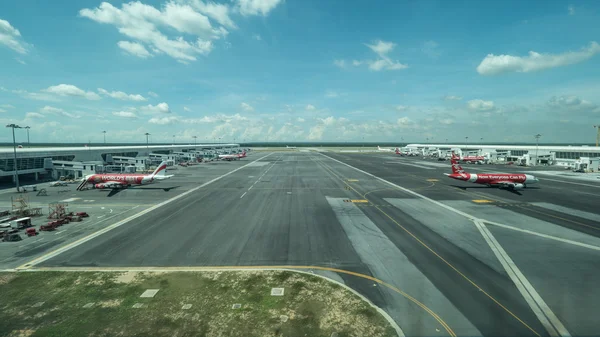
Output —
<point x="276" y="291"/>
<point x="149" y="293"/>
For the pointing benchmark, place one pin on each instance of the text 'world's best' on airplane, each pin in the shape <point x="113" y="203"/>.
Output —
<point x="120" y="181"/>
<point x="511" y="181"/>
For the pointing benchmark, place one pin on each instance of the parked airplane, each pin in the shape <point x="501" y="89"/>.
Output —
<point x="384" y="150"/>
<point x="473" y="159"/>
<point x="511" y="181"/>
<point x="233" y="156"/>
<point x="119" y="181"/>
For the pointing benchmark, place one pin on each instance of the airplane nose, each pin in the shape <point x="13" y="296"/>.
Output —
<point x="530" y="179"/>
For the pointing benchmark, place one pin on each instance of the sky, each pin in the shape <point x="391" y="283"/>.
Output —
<point x="300" y="70"/>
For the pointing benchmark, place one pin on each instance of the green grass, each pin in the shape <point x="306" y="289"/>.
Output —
<point x="307" y="302"/>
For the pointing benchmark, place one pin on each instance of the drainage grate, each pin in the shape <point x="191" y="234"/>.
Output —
<point x="276" y="291"/>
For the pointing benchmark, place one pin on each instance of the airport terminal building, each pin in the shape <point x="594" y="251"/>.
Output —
<point x="49" y="163"/>
<point x="568" y="156"/>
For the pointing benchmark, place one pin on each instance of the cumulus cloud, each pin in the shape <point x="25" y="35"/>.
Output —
<point x="478" y="105"/>
<point x="20" y="61"/>
<point x="11" y="38"/>
<point x="185" y="108"/>
<point x="300" y="120"/>
<point x="215" y="11"/>
<point x="34" y="115"/>
<point x="401" y="107"/>
<point x="572" y="103"/>
<point x="256" y="7"/>
<point x="122" y="96"/>
<point x="404" y="122"/>
<point x="310" y="107"/>
<point x="57" y="111"/>
<point x="164" y="120"/>
<point x="134" y="48"/>
<point x="156" y="109"/>
<point x="246" y="107"/>
<point x="143" y="23"/>
<point x="498" y="64"/>
<point x="152" y="94"/>
<point x="7" y="106"/>
<point x="452" y="98"/>
<point x="384" y="62"/>
<point x="125" y="114"/>
<point x="71" y="90"/>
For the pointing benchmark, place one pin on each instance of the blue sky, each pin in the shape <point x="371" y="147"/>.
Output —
<point x="285" y="70"/>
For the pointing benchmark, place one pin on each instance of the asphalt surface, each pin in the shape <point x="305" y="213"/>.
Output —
<point x="412" y="251"/>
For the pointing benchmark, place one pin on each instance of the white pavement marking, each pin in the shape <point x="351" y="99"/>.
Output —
<point x="59" y="232"/>
<point x="243" y="195"/>
<point x="566" y="210"/>
<point x="72" y="245"/>
<point x="569" y="182"/>
<point x="70" y="200"/>
<point x="527" y="291"/>
<point x="408" y="164"/>
<point x="535" y="301"/>
<point x="543" y="235"/>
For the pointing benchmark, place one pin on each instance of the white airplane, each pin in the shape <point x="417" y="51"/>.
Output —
<point x="290" y="147"/>
<point x="234" y="156"/>
<point x="384" y="150"/>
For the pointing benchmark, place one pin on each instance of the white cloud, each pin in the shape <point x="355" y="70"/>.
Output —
<point x="158" y="108"/>
<point x="382" y="49"/>
<point x="20" y="61"/>
<point x="7" y="106"/>
<point x="125" y="114"/>
<point x="57" y="111"/>
<point x="300" y="120"/>
<point x="256" y="37"/>
<point x="215" y="11"/>
<point x="479" y="105"/>
<point x="34" y="115"/>
<point x="452" y="98"/>
<point x="2" y="110"/>
<point x="446" y="121"/>
<point x="572" y="104"/>
<point x="498" y="64"/>
<point x="401" y="108"/>
<point x="141" y="22"/>
<point x="310" y="107"/>
<point x="185" y="108"/>
<point x="339" y="63"/>
<point x="571" y="10"/>
<point x="134" y="48"/>
<point x="71" y="90"/>
<point x="404" y="122"/>
<point x="257" y="7"/>
<point x="164" y="120"/>
<point x="122" y="96"/>
<point x="219" y="118"/>
<point x="246" y="107"/>
<point x="11" y="37"/>
<point x="152" y="94"/>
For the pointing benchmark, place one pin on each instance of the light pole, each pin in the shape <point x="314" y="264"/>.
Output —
<point x="104" y="134"/>
<point x="27" y="128"/>
<point x="537" y="139"/>
<point x="146" y="134"/>
<point x="15" y="126"/>
<point x="597" y="134"/>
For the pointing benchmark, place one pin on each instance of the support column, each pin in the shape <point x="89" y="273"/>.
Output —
<point x="37" y="176"/>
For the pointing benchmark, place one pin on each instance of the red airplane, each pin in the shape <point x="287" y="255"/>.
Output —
<point x="511" y="181"/>
<point x="120" y="181"/>
<point x="230" y="157"/>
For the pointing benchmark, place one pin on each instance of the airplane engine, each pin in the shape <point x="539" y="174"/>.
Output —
<point x="518" y="186"/>
<point x="99" y="186"/>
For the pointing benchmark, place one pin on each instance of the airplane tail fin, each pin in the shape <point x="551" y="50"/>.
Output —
<point x="378" y="148"/>
<point x="160" y="170"/>
<point x="456" y="168"/>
